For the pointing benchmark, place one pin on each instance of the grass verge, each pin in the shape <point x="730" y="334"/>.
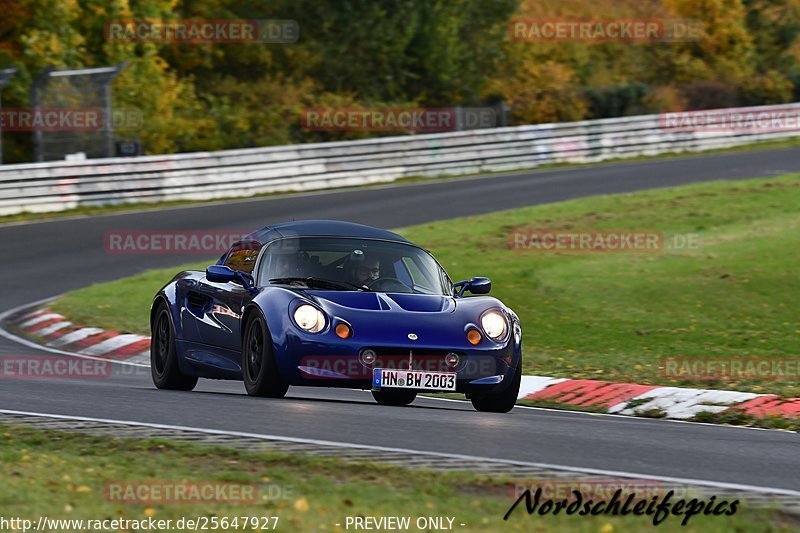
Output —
<point x="609" y="316"/>
<point x="63" y="475"/>
<point x="736" y="417"/>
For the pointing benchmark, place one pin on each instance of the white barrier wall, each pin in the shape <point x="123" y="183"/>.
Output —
<point x="56" y="186"/>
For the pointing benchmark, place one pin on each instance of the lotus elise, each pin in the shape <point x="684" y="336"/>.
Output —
<point x="336" y="304"/>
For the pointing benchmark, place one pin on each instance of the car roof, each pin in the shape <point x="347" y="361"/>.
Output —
<point x="323" y="228"/>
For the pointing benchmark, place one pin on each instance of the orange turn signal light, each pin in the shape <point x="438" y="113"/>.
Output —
<point x="474" y="336"/>
<point x="343" y="331"/>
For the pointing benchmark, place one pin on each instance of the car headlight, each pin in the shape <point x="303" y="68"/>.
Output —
<point x="309" y="318"/>
<point x="494" y="324"/>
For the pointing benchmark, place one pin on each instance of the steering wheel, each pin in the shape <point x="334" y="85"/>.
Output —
<point x="385" y="284"/>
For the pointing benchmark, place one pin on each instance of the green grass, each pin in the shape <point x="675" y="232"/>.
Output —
<point x="104" y="209"/>
<point x="64" y="476"/>
<point x="607" y="316"/>
<point x="736" y="417"/>
<point x="122" y="305"/>
<point x="614" y="316"/>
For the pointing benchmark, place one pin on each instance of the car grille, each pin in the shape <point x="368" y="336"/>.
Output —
<point x="421" y="359"/>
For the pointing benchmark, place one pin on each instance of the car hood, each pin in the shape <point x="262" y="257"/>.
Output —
<point x="379" y="301"/>
<point x="390" y="319"/>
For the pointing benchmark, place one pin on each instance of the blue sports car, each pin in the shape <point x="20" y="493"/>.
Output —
<point x="335" y="304"/>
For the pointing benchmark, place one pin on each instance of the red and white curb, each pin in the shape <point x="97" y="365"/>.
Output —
<point x="56" y="331"/>
<point x="672" y="402"/>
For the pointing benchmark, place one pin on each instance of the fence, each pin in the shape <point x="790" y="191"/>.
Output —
<point x="57" y="186"/>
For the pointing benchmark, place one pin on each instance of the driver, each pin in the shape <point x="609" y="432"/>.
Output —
<point x="366" y="271"/>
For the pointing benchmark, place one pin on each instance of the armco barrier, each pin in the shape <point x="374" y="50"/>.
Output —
<point x="56" y="186"/>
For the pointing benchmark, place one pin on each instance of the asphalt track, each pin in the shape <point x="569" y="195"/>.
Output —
<point x="44" y="259"/>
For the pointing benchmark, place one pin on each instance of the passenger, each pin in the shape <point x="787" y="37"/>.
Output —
<point x="286" y="266"/>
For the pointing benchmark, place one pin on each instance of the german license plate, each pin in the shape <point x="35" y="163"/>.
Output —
<point x="383" y="378"/>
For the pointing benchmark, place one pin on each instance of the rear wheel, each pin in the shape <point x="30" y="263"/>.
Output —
<point x="501" y="402"/>
<point x="259" y="368"/>
<point x="163" y="355"/>
<point x="394" y="397"/>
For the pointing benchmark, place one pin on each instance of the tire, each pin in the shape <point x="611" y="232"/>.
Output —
<point x="398" y="397"/>
<point x="259" y="368"/>
<point x="500" y="402"/>
<point x="164" y="357"/>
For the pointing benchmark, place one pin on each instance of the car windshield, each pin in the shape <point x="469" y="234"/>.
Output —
<point x="351" y="264"/>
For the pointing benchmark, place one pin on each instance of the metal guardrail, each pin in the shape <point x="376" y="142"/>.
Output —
<point x="57" y="186"/>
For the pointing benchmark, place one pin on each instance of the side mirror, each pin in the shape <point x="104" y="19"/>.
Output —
<point x="223" y="274"/>
<point x="480" y="285"/>
<point x="220" y="274"/>
<point x="475" y="286"/>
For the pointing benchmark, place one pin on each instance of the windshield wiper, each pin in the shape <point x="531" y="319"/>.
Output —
<point x="322" y="283"/>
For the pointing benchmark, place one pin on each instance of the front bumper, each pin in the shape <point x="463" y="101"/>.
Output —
<point x="477" y="370"/>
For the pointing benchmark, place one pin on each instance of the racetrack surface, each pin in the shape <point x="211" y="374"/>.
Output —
<point x="44" y="259"/>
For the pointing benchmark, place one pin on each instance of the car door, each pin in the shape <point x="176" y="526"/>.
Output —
<point x="219" y="322"/>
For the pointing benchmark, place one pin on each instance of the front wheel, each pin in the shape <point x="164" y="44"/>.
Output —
<point x="501" y="402"/>
<point x="259" y="367"/>
<point x="397" y="397"/>
<point x="164" y="357"/>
